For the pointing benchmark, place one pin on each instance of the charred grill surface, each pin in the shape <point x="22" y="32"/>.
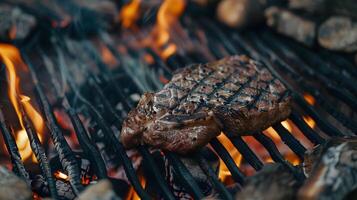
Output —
<point x="235" y="94"/>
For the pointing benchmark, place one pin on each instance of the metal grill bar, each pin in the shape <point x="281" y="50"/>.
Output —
<point x="67" y="158"/>
<point x="212" y="177"/>
<point x="289" y="140"/>
<point x="39" y="153"/>
<point x="323" y="124"/>
<point x="306" y="130"/>
<point x="183" y="173"/>
<point x="276" y="155"/>
<point x="89" y="148"/>
<point x="348" y="122"/>
<point x="145" y="153"/>
<point x="11" y="146"/>
<point x="237" y="175"/>
<point x="247" y="153"/>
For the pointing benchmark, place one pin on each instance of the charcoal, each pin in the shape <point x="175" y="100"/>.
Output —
<point x="198" y="174"/>
<point x="273" y="182"/>
<point x="15" y="24"/>
<point x="326" y="7"/>
<point x="12" y="187"/>
<point x="77" y="16"/>
<point x="64" y="189"/>
<point x="332" y="174"/>
<point x="103" y="190"/>
<point x="338" y="33"/>
<point x="287" y="23"/>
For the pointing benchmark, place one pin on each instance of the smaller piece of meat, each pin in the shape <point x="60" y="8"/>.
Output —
<point x="236" y="95"/>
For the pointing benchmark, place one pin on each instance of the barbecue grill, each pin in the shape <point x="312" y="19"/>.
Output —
<point x="87" y="86"/>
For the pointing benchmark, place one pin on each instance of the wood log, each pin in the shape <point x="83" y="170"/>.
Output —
<point x="338" y="33"/>
<point x="273" y="182"/>
<point x="291" y="25"/>
<point x="14" y="23"/>
<point x="332" y="171"/>
<point x="12" y="187"/>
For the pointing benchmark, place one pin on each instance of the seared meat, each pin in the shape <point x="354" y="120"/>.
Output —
<point x="236" y="95"/>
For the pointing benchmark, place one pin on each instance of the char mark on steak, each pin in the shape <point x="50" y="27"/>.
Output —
<point x="236" y="95"/>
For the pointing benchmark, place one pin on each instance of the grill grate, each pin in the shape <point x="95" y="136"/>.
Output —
<point x="281" y="56"/>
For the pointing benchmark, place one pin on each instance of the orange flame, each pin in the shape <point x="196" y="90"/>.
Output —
<point x="10" y="56"/>
<point x="309" y="99"/>
<point x="224" y="174"/>
<point x="288" y="154"/>
<point x="310" y="122"/>
<point x="129" y="14"/>
<point x="167" y="16"/>
<point x="132" y="195"/>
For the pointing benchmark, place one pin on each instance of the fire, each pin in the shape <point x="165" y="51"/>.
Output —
<point x="167" y="16"/>
<point x="224" y="173"/>
<point x="132" y="195"/>
<point x="288" y="154"/>
<point x="10" y="56"/>
<point x="309" y="121"/>
<point x="129" y="14"/>
<point x="309" y="99"/>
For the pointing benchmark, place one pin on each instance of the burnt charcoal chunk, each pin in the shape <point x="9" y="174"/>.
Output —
<point x="331" y="169"/>
<point x="235" y="95"/>
<point x="289" y="24"/>
<point x="338" y="33"/>
<point x="273" y="182"/>
<point x="14" y="23"/>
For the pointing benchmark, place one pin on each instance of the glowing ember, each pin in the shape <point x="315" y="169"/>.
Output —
<point x="10" y="56"/>
<point x="61" y="176"/>
<point x="129" y="14"/>
<point x="309" y="99"/>
<point x="107" y="56"/>
<point x="224" y="174"/>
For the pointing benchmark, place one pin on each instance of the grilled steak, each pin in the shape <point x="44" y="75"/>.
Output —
<point x="236" y="95"/>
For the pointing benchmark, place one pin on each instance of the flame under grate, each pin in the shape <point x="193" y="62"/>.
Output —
<point x="137" y="70"/>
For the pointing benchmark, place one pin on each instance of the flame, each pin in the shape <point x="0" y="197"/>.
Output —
<point x="60" y="175"/>
<point x="310" y="122"/>
<point x="309" y="99"/>
<point x="132" y="195"/>
<point x="288" y="154"/>
<point x="129" y="14"/>
<point x="10" y="56"/>
<point x="167" y="16"/>
<point x="224" y="174"/>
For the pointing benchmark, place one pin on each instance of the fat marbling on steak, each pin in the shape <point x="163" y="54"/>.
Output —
<point x="236" y="95"/>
